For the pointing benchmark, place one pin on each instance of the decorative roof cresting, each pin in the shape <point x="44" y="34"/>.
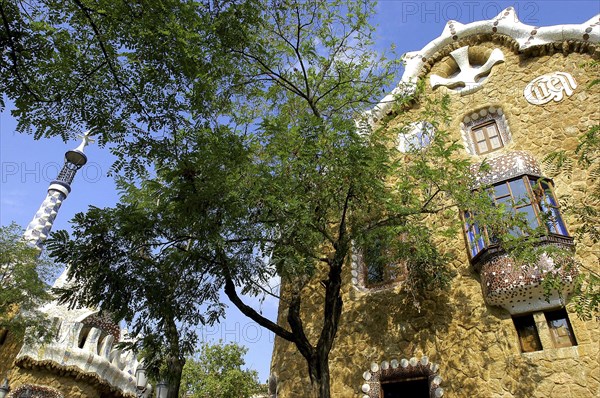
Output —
<point x="506" y="23"/>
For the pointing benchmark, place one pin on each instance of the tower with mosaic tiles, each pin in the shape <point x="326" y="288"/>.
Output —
<point x="81" y="359"/>
<point x="518" y="93"/>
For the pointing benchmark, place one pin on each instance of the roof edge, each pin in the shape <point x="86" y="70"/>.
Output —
<point x="507" y="24"/>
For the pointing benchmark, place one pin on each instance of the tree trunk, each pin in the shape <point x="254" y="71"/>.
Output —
<point x="175" y="370"/>
<point x="318" y="369"/>
<point x="175" y="361"/>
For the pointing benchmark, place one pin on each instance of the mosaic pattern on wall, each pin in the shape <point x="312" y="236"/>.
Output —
<point x="505" y="167"/>
<point x="39" y="228"/>
<point x="395" y="370"/>
<point x="104" y="323"/>
<point x="34" y="391"/>
<point x="519" y="289"/>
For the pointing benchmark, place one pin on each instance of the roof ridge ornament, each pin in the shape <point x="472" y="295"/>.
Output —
<point x="86" y="139"/>
<point x="506" y="24"/>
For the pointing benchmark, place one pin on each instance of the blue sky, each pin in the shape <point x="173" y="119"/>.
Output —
<point x="28" y="166"/>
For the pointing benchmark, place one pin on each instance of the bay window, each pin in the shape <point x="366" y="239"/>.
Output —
<point x="532" y="198"/>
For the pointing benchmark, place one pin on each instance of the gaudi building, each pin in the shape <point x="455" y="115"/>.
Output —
<point x="518" y="93"/>
<point x="82" y="359"/>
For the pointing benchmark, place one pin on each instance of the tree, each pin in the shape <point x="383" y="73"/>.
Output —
<point x="23" y="285"/>
<point x="139" y="267"/>
<point x="133" y="71"/>
<point x="216" y="371"/>
<point x="256" y="165"/>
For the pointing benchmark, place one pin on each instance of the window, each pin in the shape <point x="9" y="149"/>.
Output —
<point x="378" y="269"/>
<point x="560" y="328"/>
<point x="486" y="137"/>
<point x="530" y="197"/>
<point x="379" y="260"/>
<point x="529" y="339"/>
<point x="83" y="335"/>
<point x="485" y="130"/>
<point x="418" y="135"/>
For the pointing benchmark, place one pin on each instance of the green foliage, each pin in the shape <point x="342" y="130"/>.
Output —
<point x="216" y="371"/>
<point x="23" y="287"/>
<point x="586" y="212"/>
<point x="140" y="69"/>
<point x="586" y="297"/>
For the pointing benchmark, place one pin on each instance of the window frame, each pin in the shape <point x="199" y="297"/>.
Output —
<point x="562" y="313"/>
<point x="387" y="278"/>
<point x="482" y="127"/>
<point x="393" y="270"/>
<point x="480" y="117"/>
<point x="480" y="240"/>
<point x="527" y="321"/>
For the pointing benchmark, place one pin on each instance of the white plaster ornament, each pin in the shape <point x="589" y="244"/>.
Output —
<point x="552" y="86"/>
<point x="470" y="78"/>
<point x="86" y="139"/>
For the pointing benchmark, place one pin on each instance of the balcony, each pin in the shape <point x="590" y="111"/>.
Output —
<point x="514" y="181"/>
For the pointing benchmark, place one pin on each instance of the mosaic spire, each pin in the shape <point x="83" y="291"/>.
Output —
<point x="38" y="229"/>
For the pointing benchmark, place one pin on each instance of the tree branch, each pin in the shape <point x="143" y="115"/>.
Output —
<point x="249" y="311"/>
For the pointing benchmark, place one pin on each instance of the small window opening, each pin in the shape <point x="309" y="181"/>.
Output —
<point x="529" y="339"/>
<point x="83" y="335"/>
<point x="560" y="328"/>
<point x="417" y="387"/>
<point x="380" y="267"/>
<point x="486" y="137"/>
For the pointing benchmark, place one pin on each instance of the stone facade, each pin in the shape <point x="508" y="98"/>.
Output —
<point x="473" y="346"/>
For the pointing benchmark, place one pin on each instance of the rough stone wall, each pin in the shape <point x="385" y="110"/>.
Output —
<point x="476" y="346"/>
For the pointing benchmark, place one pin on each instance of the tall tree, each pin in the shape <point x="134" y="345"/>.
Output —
<point x="134" y="70"/>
